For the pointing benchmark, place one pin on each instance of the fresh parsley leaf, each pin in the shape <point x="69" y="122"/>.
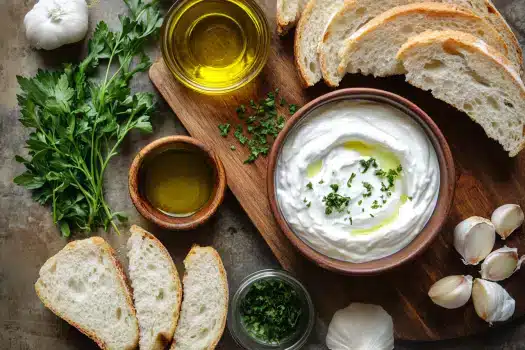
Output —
<point x="224" y="129"/>
<point x="78" y="123"/>
<point x="366" y="164"/>
<point x="349" y="182"/>
<point x="292" y="109"/>
<point x="309" y="186"/>
<point x="368" y="188"/>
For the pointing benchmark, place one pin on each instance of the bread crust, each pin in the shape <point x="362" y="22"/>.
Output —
<point x="451" y="40"/>
<point x="299" y="32"/>
<point x="224" y="281"/>
<point x="99" y="241"/>
<point x="163" y="338"/>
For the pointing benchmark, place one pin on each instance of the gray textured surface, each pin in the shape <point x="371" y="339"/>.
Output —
<point x="28" y="237"/>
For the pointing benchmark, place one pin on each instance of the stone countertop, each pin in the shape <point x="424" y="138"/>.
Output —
<point x="28" y="236"/>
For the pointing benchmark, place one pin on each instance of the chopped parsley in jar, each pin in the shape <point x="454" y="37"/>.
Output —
<point x="271" y="311"/>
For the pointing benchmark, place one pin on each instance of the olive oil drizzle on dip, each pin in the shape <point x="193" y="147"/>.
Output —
<point x="178" y="182"/>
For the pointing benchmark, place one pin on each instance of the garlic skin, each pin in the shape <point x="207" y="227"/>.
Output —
<point x="451" y="292"/>
<point x="474" y="239"/>
<point x="507" y="219"/>
<point x="491" y="301"/>
<point x="361" y="326"/>
<point x="53" y="23"/>
<point x="501" y="264"/>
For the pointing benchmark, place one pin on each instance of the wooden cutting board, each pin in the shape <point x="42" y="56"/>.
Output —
<point x="486" y="178"/>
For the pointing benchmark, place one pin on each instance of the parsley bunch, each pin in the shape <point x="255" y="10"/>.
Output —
<point x="271" y="311"/>
<point x="78" y="124"/>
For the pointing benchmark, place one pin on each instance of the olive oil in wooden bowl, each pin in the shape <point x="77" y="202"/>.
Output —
<point x="177" y="182"/>
<point x="215" y="46"/>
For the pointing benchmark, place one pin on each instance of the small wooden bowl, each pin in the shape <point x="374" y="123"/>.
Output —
<point x="156" y="216"/>
<point x="445" y="196"/>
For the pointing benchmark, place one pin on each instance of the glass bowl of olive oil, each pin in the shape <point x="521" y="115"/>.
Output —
<point x="215" y="46"/>
<point x="177" y="182"/>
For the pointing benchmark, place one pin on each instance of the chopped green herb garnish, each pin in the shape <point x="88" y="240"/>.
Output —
<point x="375" y="205"/>
<point x="309" y="204"/>
<point x="321" y="182"/>
<point x="241" y="110"/>
<point x="309" y="186"/>
<point x="224" y="129"/>
<point x="305" y="200"/>
<point x="271" y="310"/>
<point x="368" y="188"/>
<point x="292" y="109"/>
<point x="335" y="201"/>
<point x="362" y="210"/>
<point x="366" y="164"/>
<point x="372" y="216"/>
<point x="349" y="182"/>
<point x="334" y="187"/>
<point x="351" y="221"/>
<point x="360" y="202"/>
<point x="233" y="148"/>
<point x="239" y="135"/>
<point x="410" y="197"/>
<point x="282" y="101"/>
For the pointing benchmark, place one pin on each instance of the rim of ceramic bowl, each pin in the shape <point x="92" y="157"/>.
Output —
<point x="156" y="216"/>
<point x="253" y="73"/>
<point x="446" y="190"/>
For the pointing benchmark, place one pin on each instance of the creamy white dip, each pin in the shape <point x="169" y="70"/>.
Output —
<point x="326" y="148"/>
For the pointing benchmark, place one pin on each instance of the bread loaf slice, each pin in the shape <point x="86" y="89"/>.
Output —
<point x="205" y="301"/>
<point x="373" y="48"/>
<point x="463" y="71"/>
<point x="288" y="13"/>
<point x="84" y="284"/>
<point x="157" y="290"/>
<point x="308" y="36"/>
<point x="356" y="13"/>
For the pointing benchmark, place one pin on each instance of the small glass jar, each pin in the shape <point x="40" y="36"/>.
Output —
<point x="292" y="342"/>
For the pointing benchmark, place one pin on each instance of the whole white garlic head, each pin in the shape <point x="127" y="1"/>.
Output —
<point x="474" y="239"/>
<point x="451" y="292"/>
<point x="491" y="301"/>
<point x="361" y="326"/>
<point x="501" y="264"/>
<point x="507" y="219"/>
<point x="53" y="23"/>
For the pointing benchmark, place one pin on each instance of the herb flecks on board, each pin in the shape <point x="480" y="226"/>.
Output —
<point x="271" y="311"/>
<point x="261" y="123"/>
<point x="78" y="123"/>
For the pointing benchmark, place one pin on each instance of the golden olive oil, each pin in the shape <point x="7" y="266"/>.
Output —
<point x="178" y="182"/>
<point x="215" y="43"/>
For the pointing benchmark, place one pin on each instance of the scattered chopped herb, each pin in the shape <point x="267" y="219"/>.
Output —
<point x="334" y="201"/>
<point x="410" y="197"/>
<point x="239" y="135"/>
<point x="375" y="205"/>
<point x="366" y="164"/>
<point x="351" y="221"/>
<point x="349" y="182"/>
<point x="380" y="173"/>
<point x="224" y="129"/>
<point x="368" y="188"/>
<point x="282" y="102"/>
<point x="362" y="210"/>
<point x="391" y="177"/>
<point x="292" y="109"/>
<point x="321" y="182"/>
<point x="233" y="148"/>
<point x="309" y="186"/>
<point x="372" y="216"/>
<point x="305" y="200"/>
<point x="241" y="110"/>
<point x="309" y="204"/>
<point x="271" y="310"/>
<point x="334" y="187"/>
<point x="360" y="202"/>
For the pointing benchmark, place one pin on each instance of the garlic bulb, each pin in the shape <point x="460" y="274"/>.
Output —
<point x="491" y="301"/>
<point x="451" y="292"/>
<point x="501" y="264"/>
<point x="361" y="326"/>
<point x="507" y="218"/>
<point x="53" y="23"/>
<point x="474" y="239"/>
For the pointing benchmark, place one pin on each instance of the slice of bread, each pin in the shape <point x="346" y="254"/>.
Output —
<point x="308" y="36"/>
<point x="463" y="71"/>
<point x="355" y="13"/>
<point x="157" y="290"/>
<point x="84" y="284"/>
<point x="288" y="13"/>
<point x="373" y="48"/>
<point x="205" y="302"/>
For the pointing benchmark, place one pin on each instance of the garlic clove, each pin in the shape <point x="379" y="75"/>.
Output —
<point x="451" y="292"/>
<point x="474" y="239"/>
<point x="491" y="301"/>
<point x="507" y="218"/>
<point x="501" y="264"/>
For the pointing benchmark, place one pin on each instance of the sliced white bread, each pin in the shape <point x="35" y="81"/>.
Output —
<point x="308" y="36"/>
<point x="355" y="13"/>
<point x="205" y="302"/>
<point x="288" y="13"/>
<point x="463" y="71"/>
<point x="157" y="290"/>
<point x="84" y="284"/>
<point x="373" y="48"/>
